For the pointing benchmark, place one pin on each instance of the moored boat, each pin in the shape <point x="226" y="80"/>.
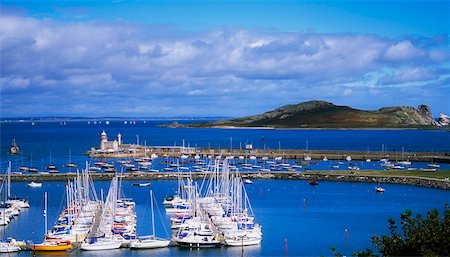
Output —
<point x="242" y="241"/>
<point x="313" y="182"/>
<point x="379" y="189"/>
<point x="101" y="245"/>
<point x="34" y="184"/>
<point x="14" y="149"/>
<point x="149" y="243"/>
<point x="142" y="184"/>
<point x="51" y="246"/>
<point x="248" y="181"/>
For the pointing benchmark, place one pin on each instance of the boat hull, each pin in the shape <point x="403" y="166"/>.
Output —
<point x="39" y="247"/>
<point x="245" y="242"/>
<point x="149" y="244"/>
<point x="101" y="246"/>
<point x="198" y="245"/>
<point x="9" y="249"/>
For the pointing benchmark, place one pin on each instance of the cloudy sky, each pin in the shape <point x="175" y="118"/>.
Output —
<point x="220" y="58"/>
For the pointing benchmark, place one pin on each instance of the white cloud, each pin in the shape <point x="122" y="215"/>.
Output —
<point x="116" y="60"/>
<point x="403" y="51"/>
<point x="404" y="75"/>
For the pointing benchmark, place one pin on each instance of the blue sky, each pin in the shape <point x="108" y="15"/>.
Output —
<point x="220" y="58"/>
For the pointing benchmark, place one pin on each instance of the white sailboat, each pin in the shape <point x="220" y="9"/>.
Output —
<point x="105" y="239"/>
<point x="307" y="157"/>
<point x="20" y="203"/>
<point x="151" y="241"/>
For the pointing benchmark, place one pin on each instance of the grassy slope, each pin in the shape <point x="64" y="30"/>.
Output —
<point x="439" y="174"/>
<point x="332" y="117"/>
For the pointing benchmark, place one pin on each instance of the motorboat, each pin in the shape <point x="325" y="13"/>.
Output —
<point x="379" y="189"/>
<point x="10" y="245"/>
<point x="142" y="184"/>
<point x="34" y="184"/>
<point x="313" y="182"/>
<point x="242" y="241"/>
<point x="248" y="181"/>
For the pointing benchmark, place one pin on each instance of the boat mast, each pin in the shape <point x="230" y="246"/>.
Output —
<point x="45" y="213"/>
<point x="8" y="185"/>
<point x="153" y="214"/>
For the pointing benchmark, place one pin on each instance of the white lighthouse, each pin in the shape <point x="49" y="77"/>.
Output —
<point x="103" y="140"/>
<point x="119" y="138"/>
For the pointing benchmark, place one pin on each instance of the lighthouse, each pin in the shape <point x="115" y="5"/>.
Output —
<point x="103" y="140"/>
<point x="119" y="138"/>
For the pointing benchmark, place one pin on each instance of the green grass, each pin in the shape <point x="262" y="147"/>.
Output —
<point x="439" y="174"/>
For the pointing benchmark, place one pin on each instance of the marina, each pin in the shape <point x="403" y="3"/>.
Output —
<point x="225" y="128"/>
<point x="170" y="198"/>
<point x="354" y="206"/>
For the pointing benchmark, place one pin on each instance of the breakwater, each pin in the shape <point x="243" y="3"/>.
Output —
<point x="319" y="176"/>
<point x="133" y="151"/>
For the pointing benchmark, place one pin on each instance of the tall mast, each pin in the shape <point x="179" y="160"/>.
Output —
<point x="8" y="192"/>
<point x="153" y="214"/>
<point x="45" y="212"/>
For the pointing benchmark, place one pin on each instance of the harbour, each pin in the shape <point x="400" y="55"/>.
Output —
<point x="300" y="176"/>
<point x="346" y="176"/>
<point x="354" y="206"/>
<point x="225" y="128"/>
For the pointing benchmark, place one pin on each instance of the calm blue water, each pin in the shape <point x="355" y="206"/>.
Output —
<point x="50" y="142"/>
<point x="312" y="219"/>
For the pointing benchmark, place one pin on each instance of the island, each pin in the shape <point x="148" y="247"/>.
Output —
<point x="322" y="114"/>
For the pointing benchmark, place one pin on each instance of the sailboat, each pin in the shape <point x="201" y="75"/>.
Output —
<point x="367" y="156"/>
<point x="50" y="246"/>
<point x="403" y="162"/>
<point x="51" y="167"/>
<point x="23" y="167"/>
<point x="104" y="238"/>
<point x="70" y="164"/>
<point x="307" y="157"/>
<point x="14" y="149"/>
<point x="432" y="164"/>
<point x="151" y="241"/>
<point x="32" y="169"/>
<point x="20" y="203"/>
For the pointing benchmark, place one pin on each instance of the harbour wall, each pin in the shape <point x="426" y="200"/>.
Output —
<point x="319" y="176"/>
<point x="176" y="152"/>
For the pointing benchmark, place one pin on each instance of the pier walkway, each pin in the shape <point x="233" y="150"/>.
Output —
<point x="135" y="151"/>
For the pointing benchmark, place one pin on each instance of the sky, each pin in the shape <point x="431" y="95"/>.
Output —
<point x="220" y="58"/>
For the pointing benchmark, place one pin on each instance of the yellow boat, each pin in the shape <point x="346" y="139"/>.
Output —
<point x="51" y="246"/>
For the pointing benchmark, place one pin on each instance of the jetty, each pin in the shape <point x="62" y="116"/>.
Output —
<point x="118" y="149"/>
<point x="135" y="151"/>
<point x="438" y="179"/>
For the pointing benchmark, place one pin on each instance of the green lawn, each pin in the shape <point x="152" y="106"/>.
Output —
<point x="439" y="174"/>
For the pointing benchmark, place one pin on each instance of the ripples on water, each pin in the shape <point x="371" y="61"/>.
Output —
<point x="311" y="218"/>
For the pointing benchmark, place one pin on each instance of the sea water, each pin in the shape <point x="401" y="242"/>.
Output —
<point x="52" y="143"/>
<point x="296" y="218"/>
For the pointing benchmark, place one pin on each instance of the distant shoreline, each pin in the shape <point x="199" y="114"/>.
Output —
<point x="276" y="128"/>
<point x="342" y="176"/>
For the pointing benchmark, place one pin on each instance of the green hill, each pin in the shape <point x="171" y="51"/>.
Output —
<point x="321" y="114"/>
